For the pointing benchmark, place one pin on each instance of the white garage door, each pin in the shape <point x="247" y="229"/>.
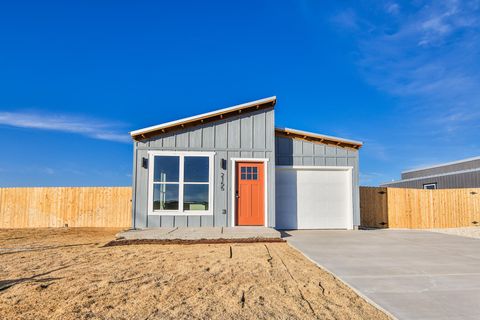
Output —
<point x="313" y="197"/>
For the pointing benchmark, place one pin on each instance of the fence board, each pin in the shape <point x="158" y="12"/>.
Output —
<point x="418" y="208"/>
<point x="373" y="207"/>
<point x="60" y="206"/>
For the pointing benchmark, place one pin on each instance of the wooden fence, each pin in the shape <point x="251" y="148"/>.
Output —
<point x="418" y="208"/>
<point x="70" y="206"/>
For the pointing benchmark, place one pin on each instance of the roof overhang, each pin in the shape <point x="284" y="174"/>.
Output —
<point x="203" y="118"/>
<point x="320" y="138"/>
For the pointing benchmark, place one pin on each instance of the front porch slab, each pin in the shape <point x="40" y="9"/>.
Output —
<point x="198" y="234"/>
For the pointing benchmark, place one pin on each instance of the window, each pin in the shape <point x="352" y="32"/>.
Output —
<point x="249" y="173"/>
<point x="180" y="183"/>
<point x="430" y="186"/>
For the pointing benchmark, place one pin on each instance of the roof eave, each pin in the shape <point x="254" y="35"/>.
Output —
<point x="205" y="117"/>
<point x="320" y="137"/>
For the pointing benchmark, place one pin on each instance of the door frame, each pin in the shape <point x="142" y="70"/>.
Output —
<point x="233" y="216"/>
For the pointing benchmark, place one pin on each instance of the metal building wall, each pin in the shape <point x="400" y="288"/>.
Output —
<point x="305" y="153"/>
<point x="469" y="179"/>
<point x="464" y="165"/>
<point x="249" y="135"/>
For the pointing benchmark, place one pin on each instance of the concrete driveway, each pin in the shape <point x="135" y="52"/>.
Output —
<point x="411" y="274"/>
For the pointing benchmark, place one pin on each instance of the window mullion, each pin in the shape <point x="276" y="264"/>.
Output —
<point x="181" y="182"/>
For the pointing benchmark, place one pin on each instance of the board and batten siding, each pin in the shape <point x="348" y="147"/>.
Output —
<point x="296" y="152"/>
<point x="248" y="135"/>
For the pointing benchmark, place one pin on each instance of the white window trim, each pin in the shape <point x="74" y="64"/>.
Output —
<point x="234" y="185"/>
<point x="181" y="155"/>
<point x="430" y="184"/>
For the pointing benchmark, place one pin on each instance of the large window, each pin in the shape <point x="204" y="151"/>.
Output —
<point x="180" y="183"/>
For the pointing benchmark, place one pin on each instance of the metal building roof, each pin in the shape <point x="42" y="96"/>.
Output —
<point x="441" y="165"/>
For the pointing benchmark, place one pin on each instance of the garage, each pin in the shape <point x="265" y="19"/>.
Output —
<point x="313" y="197"/>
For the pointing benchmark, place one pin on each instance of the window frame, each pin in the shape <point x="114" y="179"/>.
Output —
<point x="181" y="182"/>
<point x="425" y="185"/>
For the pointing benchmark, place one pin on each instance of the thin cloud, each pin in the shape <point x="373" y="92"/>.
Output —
<point x="48" y="171"/>
<point x="346" y="19"/>
<point x="424" y="55"/>
<point x="91" y="128"/>
<point x="428" y="56"/>
<point x="392" y="8"/>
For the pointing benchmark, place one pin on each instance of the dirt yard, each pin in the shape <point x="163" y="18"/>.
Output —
<point x="68" y="274"/>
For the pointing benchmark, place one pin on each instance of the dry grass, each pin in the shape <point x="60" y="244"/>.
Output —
<point x="67" y="274"/>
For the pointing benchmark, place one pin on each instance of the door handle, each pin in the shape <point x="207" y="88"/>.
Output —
<point x="236" y="195"/>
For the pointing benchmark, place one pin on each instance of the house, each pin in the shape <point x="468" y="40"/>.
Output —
<point x="458" y="174"/>
<point x="232" y="167"/>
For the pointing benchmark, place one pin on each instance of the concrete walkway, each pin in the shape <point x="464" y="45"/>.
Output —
<point x="213" y="233"/>
<point x="411" y="274"/>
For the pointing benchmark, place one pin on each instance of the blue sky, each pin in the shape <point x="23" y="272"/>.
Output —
<point x="76" y="77"/>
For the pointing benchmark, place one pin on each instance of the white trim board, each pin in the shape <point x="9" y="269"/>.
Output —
<point x="233" y="210"/>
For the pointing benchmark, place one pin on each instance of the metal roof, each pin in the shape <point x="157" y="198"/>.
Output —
<point x="442" y="165"/>
<point x="319" y="137"/>
<point x="429" y="177"/>
<point x="234" y="110"/>
<point x="204" y="116"/>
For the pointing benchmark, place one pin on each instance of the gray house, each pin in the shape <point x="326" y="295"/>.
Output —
<point x="232" y="167"/>
<point x="458" y="174"/>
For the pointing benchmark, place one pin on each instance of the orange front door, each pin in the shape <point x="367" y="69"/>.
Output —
<point x="250" y="194"/>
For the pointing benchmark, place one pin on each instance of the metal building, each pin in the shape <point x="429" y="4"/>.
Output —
<point x="458" y="174"/>
<point x="232" y="167"/>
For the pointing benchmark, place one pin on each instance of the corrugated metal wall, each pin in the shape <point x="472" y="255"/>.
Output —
<point x="250" y="135"/>
<point x="305" y="153"/>
<point x="449" y="181"/>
